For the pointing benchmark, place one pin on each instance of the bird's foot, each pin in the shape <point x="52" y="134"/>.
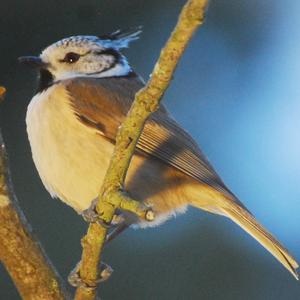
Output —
<point x="75" y="279"/>
<point x="90" y="215"/>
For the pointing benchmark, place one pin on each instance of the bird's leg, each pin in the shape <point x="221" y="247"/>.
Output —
<point x="75" y="279"/>
<point x="116" y="232"/>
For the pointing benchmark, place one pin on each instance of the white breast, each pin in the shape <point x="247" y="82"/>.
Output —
<point x="70" y="157"/>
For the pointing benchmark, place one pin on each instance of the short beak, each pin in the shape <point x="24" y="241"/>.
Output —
<point x="33" y="62"/>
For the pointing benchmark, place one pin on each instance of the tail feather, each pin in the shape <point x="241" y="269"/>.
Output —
<point x="245" y="220"/>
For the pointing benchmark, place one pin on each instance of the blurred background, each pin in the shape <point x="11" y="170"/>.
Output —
<point x="236" y="90"/>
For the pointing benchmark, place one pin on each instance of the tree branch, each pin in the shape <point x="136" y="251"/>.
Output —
<point x="146" y="102"/>
<point x="21" y="254"/>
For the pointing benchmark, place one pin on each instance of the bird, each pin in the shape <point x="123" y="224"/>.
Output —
<point x="85" y="88"/>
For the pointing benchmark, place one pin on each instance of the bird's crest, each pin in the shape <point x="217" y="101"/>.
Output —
<point x="121" y="38"/>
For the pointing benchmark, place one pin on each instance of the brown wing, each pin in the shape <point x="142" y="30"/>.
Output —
<point x="104" y="102"/>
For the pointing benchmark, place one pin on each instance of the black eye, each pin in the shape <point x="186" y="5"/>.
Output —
<point x="71" y="57"/>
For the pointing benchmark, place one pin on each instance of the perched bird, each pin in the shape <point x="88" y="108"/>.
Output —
<point x="86" y="87"/>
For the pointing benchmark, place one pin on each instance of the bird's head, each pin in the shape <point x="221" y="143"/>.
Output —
<point x="84" y="56"/>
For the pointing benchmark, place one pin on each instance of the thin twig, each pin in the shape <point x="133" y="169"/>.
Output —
<point x="146" y="102"/>
<point x="20" y="252"/>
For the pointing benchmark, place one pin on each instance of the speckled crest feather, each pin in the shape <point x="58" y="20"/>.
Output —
<point x="117" y="40"/>
<point x="121" y="38"/>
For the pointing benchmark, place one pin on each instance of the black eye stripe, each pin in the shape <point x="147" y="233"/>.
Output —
<point x="72" y="57"/>
<point x="109" y="51"/>
<point x="45" y="80"/>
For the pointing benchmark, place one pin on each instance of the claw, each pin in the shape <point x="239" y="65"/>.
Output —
<point x="90" y="215"/>
<point x="116" y="231"/>
<point x="75" y="280"/>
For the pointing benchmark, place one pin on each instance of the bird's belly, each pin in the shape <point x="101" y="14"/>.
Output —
<point x="70" y="157"/>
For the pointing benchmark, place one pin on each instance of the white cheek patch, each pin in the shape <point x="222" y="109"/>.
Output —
<point x="93" y="65"/>
<point x="117" y="71"/>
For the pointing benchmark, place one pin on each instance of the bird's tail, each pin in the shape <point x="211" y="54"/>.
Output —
<point x="244" y="219"/>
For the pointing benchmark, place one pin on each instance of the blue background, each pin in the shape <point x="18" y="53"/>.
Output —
<point x="236" y="90"/>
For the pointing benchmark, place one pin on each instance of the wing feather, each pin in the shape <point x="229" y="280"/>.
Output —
<point x="103" y="104"/>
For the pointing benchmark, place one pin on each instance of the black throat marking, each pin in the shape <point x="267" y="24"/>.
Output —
<point x="45" y="80"/>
